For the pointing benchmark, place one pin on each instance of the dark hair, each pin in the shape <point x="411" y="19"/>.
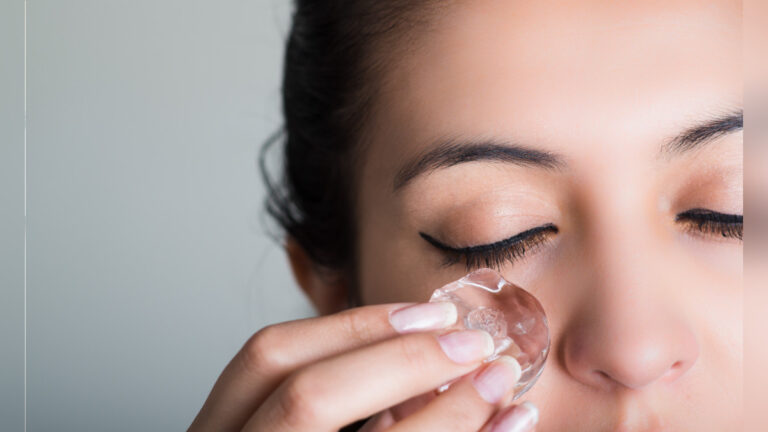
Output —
<point x="327" y="93"/>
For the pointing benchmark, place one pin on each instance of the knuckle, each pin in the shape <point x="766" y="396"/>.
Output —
<point x="465" y="416"/>
<point x="356" y="323"/>
<point x="414" y="351"/>
<point x="300" y="402"/>
<point x="262" y="353"/>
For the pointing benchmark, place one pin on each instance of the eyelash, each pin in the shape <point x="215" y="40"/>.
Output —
<point x="705" y="222"/>
<point x="494" y="255"/>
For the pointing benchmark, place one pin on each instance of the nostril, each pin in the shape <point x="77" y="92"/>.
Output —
<point x="674" y="371"/>
<point x="603" y="379"/>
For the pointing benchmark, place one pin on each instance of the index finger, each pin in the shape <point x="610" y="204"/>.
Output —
<point x="275" y="351"/>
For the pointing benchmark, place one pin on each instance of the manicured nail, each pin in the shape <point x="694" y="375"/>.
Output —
<point x="519" y="418"/>
<point x="467" y="346"/>
<point x="497" y="379"/>
<point x="423" y="316"/>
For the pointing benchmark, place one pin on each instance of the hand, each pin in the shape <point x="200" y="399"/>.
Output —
<point x="323" y="373"/>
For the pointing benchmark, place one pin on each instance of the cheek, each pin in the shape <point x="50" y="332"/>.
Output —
<point x="391" y="270"/>
<point x="725" y="258"/>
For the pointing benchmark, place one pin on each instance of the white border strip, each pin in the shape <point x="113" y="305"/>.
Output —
<point x="25" y="215"/>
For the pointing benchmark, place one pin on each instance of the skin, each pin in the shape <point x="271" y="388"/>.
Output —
<point x="756" y="178"/>
<point x="628" y="293"/>
<point x="645" y="313"/>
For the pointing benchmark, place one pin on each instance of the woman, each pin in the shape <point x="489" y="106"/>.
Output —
<point x="589" y="151"/>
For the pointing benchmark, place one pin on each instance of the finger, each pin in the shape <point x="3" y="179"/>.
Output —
<point x="379" y="422"/>
<point x="518" y="418"/>
<point x="337" y="391"/>
<point x="469" y="403"/>
<point x="275" y="351"/>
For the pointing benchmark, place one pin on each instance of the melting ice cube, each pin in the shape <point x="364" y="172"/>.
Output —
<point x="511" y="315"/>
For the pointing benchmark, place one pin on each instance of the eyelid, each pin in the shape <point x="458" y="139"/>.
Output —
<point x="495" y="255"/>
<point x="710" y="215"/>
<point x="710" y="224"/>
<point x="491" y="246"/>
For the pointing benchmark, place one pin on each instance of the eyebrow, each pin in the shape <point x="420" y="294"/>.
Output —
<point x="705" y="132"/>
<point x="452" y="152"/>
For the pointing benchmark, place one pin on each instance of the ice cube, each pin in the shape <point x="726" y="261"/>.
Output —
<point x="511" y="315"/>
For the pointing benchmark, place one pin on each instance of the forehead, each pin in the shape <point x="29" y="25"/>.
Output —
<point x="562" y="75"/>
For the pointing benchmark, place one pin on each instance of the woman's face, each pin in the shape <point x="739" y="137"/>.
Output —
<point x="610" y="120"/>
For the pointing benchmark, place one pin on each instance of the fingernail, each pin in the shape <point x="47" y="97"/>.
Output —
<point x="519" y="418"/>
<point x="424" y="316"/>
<point x="467" y="346"/>
<point x="497" y="379"/>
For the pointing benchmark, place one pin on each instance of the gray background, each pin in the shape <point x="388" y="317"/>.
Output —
<point x="148" y="264"/>
<point x="11" y="215"/>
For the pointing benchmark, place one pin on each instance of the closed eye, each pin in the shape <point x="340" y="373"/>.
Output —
<point x="704" y="222"/>
<point x="495" y="255"/>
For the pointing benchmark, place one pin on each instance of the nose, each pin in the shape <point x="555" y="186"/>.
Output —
<point x="630" y="329"/>
<point x="628" y="346"/>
